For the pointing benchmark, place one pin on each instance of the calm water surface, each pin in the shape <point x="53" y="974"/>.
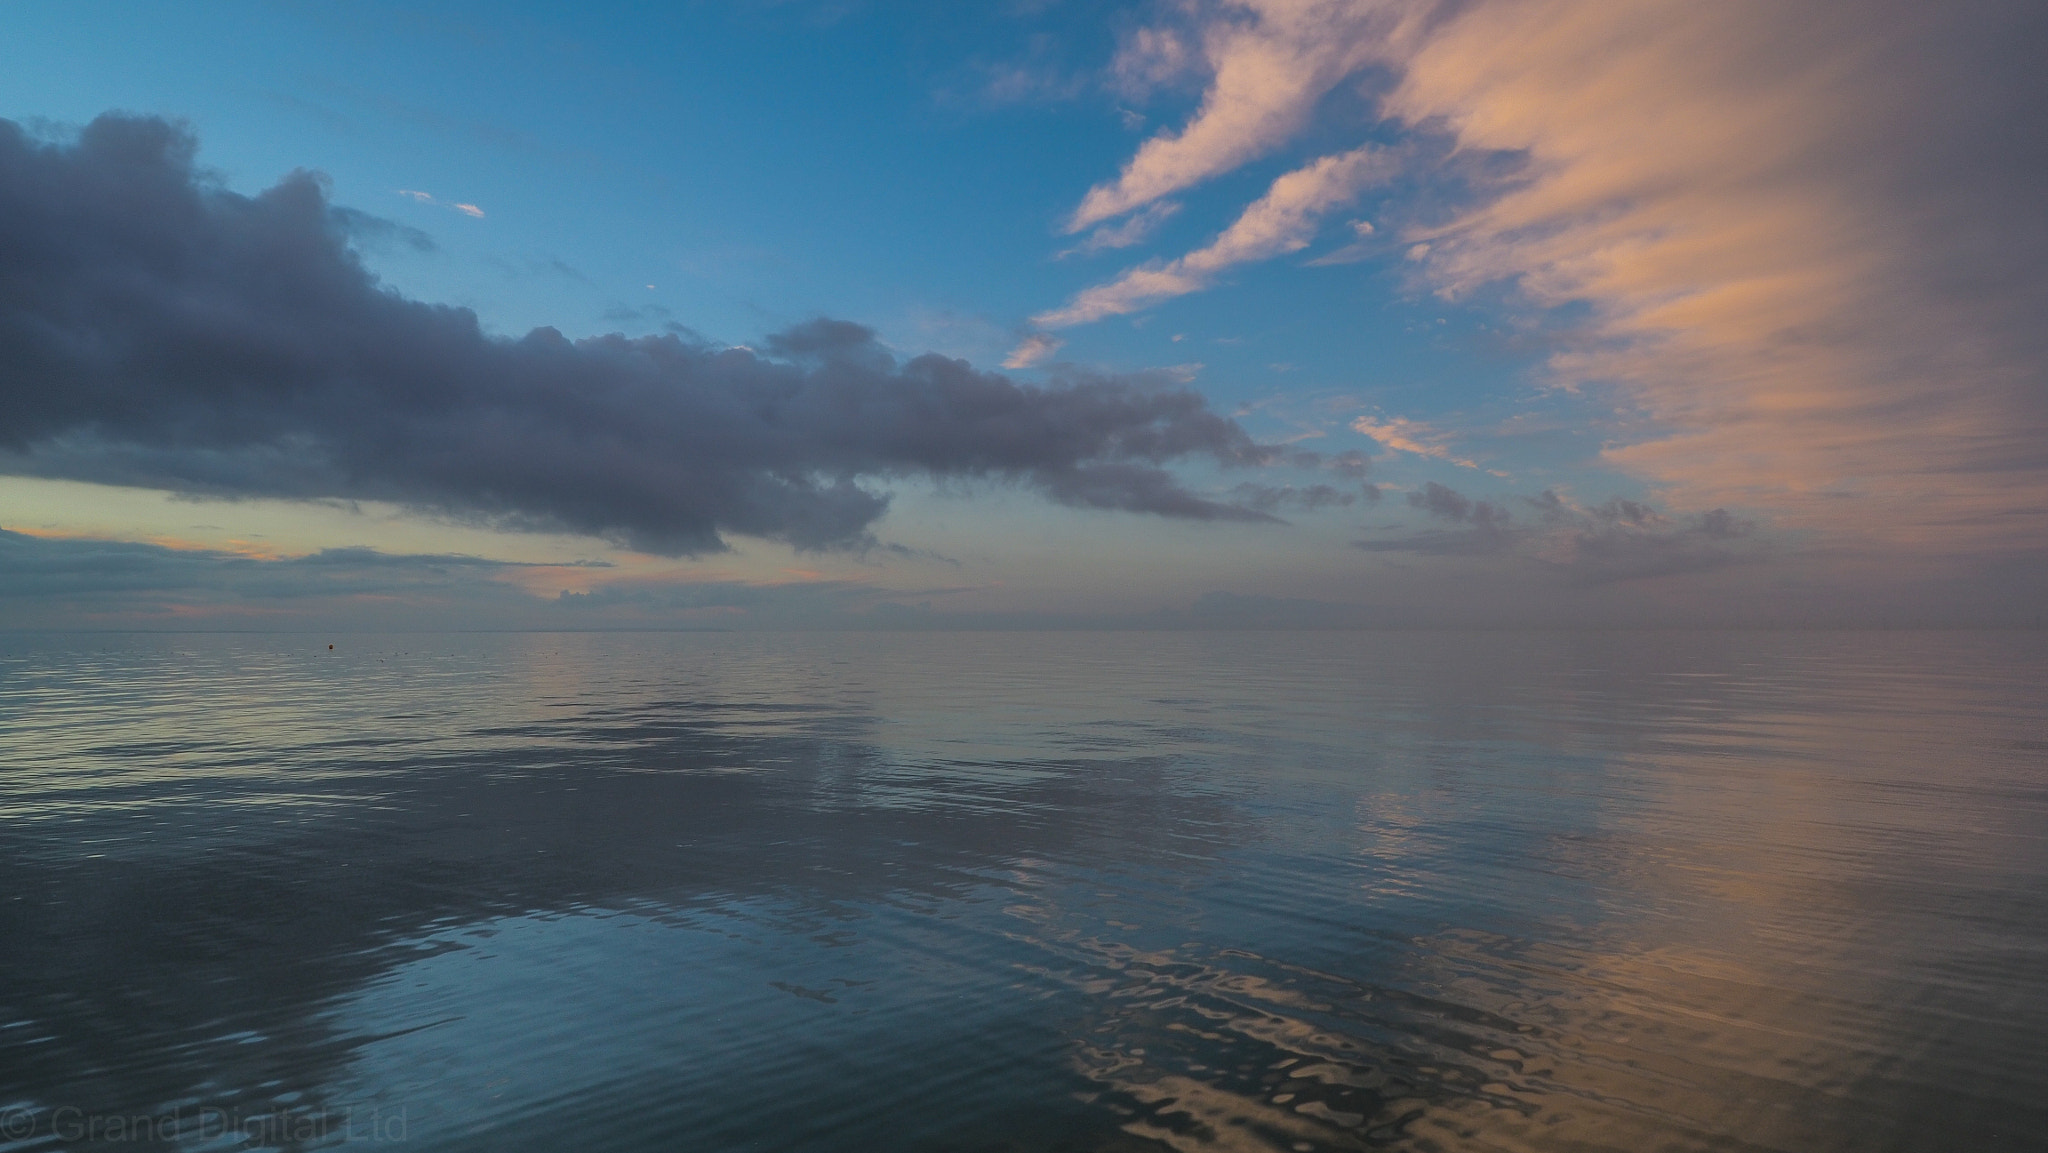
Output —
<point x="1118" y="892"/>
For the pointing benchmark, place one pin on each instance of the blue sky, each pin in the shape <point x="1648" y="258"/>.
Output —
<point x="758" y="164"/>
<point x="1477" y="272"/>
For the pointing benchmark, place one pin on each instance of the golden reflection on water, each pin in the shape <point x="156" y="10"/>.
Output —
<point x="1534" y="1048"/>
<point x="1745" y="992"/>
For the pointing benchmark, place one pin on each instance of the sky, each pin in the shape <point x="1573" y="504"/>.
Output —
<point x="1052" y="313"/>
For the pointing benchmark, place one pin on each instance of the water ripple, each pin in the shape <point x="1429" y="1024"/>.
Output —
<point x="1025" y="892"/>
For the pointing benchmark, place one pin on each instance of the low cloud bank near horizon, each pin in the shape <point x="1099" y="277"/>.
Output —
<point x="83" y="581"/>
<point x="57" y="585"/>
<point x="1615" y="540"/>
<point x="160" y="331"/>
<point x="67" y="582"/>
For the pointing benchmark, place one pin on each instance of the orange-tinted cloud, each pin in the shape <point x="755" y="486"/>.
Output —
<point x="1266" y="74"/>
<point x="1806" y="237"/>
<point x="1282" y="221"/>
<point x="1747" y="195"/>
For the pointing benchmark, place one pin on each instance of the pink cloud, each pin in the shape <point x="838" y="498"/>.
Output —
<point x="1806" y="238"/>
<point x="1284" y="220"/>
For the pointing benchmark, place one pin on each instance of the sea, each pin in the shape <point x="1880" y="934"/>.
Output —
<point x="1022" y="892"/>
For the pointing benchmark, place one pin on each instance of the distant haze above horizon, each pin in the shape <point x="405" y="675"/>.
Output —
<point x="823" y="313"/>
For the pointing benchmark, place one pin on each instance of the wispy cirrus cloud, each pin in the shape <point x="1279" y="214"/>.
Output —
<point x="1362" y="248"/>
<point x="1802" y="242"/>
<point x="1268" y="65"/>
<point x="1133" y="231"/>
<point x="1284" y="220"/>
<point x="1035" y="349"/>
<point x="469" y="210"/>
<point x="1413" y="436"/>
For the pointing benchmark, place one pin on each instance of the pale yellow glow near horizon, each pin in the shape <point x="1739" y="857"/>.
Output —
<point x="273" y="529"/>
<point x="265" y="527"/>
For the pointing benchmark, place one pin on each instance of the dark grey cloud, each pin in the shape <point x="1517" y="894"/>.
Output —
<point x="1348" y="465"/>
<point x="1271" y="498"/>
<point x="1619" y="539"/>
<point x="1624" y="540"/>
<point x="1451" y="505"/>
<point x="1487" y="527"/>
<point x="1351" y="465"/>
<point x="157" y="329"/>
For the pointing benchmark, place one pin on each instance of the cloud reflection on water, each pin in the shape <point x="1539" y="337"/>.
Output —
<point x="1034" y="891"/>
